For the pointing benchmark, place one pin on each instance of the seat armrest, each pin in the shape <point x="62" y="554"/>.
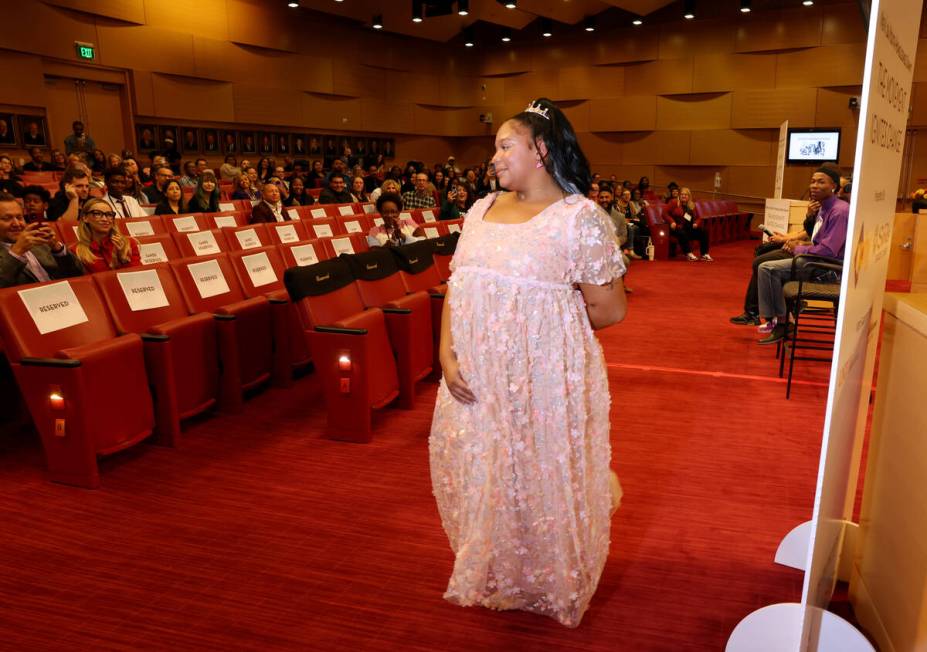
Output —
<point x="108" y="351"/>
<point x="49" y="362"/>
<point x="244" y="306"/>
<point x="396" y="311"/>
<point x="340" y="331"/>
<point x="155" y="337"/>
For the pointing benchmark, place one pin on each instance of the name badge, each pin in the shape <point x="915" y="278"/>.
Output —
<point x="204" y="243"/>
<point x="143" y="290"/>
<point x="305" y="255"/>
<point x="53" y="307"/>
<point x="248" y="239"/>
<point x="208" y="278"/>
<point x="260" y="271"/>
<point x="287" y="233"/>
<point x="151" y="253"/>
<point x="139" y="228"/>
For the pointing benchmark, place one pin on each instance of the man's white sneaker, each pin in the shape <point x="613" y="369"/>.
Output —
<point x="707" y="258"/>
<point x="691" y="256"/>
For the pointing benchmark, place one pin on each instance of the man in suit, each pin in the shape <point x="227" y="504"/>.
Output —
<point x="270" y="208"/>
<point x="30" y="253"/>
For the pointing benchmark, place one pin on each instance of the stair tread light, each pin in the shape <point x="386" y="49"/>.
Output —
<point x="463" y="7"/>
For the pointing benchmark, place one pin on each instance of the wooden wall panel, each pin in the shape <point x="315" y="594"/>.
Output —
<point x="356" y="80"/>
<point x="414" y="87"/>
<point x="918" y="117"/>
<point x="143" y="92"/>
<point x="388" y="116"/>
<point x="920" y="61"/>
<point x="208" y="18"/>
<point x="470" y="150"/>
<point x="655" y="148"/>
<point x="729" y="72"/>
<point x="505" y="61"/>
<point x="187" y="98"/>
<point x="754" y="182"/>
<point x="552" y="56"/>
<point x="694" y="111"/>
<point x="658" y="77"/>
<point x="147" y="48"/>
<point x="428" y="149"/>
<point x="602" y="149"/>
<point x="263" y="105"/>
<point x="30" y="25"/>
<point x="688" y="38"/>
<point x="769" y="108"/>
<point x="22" y="79"/>
<point x="830" y="65"/>
<point x="492" y="91"/>
<point x="832" y="108"/>
<point x="263" y="25"/>
<point x="330" y="112"/>
<point x="692" y="177"/>
<point x="842" y="26"/>
<point x="624" y="46"/>
<point x="131" y="11"/>
<point x="589" y="82"/>
<point x="734" y="147"/>
<point x="577" y="113"/>
<point x="523" y="88"/>
<point x="630" y="113"/>
<point x="781" y="30"/>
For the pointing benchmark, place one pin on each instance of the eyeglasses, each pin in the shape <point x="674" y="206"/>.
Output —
<point x="98" y="215"/>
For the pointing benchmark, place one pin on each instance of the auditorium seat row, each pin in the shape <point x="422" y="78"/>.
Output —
<point x="724" y="221"/>
<point x="107" y="360"/>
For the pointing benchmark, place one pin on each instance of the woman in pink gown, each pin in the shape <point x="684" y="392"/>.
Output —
<point x="519" y="444"/>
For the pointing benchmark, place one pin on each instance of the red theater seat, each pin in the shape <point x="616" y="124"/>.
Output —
<point x="420" y="274"/>
<point x="443" y="253"/>
<point x="224" y="220"/>
<point x="350" y="346"/>
<point x="260" y="273"/>
<point x="408" y="316"/>
<point x="85" y="385"/>
<point x="181" y="351"/>
<point x="245" y="325"/>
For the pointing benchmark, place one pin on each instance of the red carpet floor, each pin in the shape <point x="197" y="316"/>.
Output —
<point x="259" y="535"/>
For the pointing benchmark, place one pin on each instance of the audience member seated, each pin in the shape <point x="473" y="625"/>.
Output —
<point x="672" y="192"/>
<point x="155" y="192"/>
<point x="489" y="183"/>
<point x="685" y="225"/>
<point x="38" y="162"/>
<point x="607" y="202"/>
<point x="202" y="165"/>
<point x="79" y="140"/>
<point x="829" y="239"/>
<point x="30" y="253"/>
<point x="635" y="222"/>
<point x="420" y="197"/>
<point x="395" y="230"/>
<point x="113" y="161"/>
<point x="172" y="200"/>
<point x="75" y="188"/>
<point x="388" y="185"/>
<point x="919" y="202"/>
<point x="299" y="195"/>
<point x="593" y="193"/>
<point x="316" y="175"/>
<point x="100" y="246"/>
<point x="35" y="203"/>
<point x="265" y="169"/>
<point x="9" y="180"/>
<point x="188" y="180"/>
<point x="206" y="197"/>
<point x="115" y="196"/>
<point x="58" y="160"/>
<point x="359" y="190"/>
<point x="643" y="187"/>
<point x="270" y="208"/>
<point x="457" y="201"/>
<point x="243" y="189"/>
<point x="229" y="170"/>
<point x="336" y="193"/>
<point x="98" y="161"/>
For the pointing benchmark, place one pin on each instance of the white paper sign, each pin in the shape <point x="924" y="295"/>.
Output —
<point x="429" y="216"/>
<point x="453" y="228"/>
<point x="305" y="255"/>
<point x="248" y="238"/>
<point x="405" y="214"/>
<point x="186" y="224"/>
<point x="431" y="232"/>
<point x="346" y="210"/>
<point x="378" y="221"/>
<point x="226" y="206"/>
<point x="149" y="210"/>
<point x="353" y="227"/>
<point x="342" y="246"/>
<point x="204" y="243"/>
<point x="323" y="230"/>
<point x="317" y="212"/>
<point x="260" y="271"/>
<point x="143" y="290"/>
<point x="53" y="307"/>
<point x="224" y="221"/>
<point x="292" y="213"/>
<point x="369" y="208"/>
<point x="151" y="253"/>
<point x="287" y="233"/>
<point x="139" y="228"/>
<point x="208" y="278"/>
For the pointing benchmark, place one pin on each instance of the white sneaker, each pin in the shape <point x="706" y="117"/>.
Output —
<point x="691" y="256"/>
<point x="707" y="258"/>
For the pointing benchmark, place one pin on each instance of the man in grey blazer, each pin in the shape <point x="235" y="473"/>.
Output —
<point x="30" y="253"/>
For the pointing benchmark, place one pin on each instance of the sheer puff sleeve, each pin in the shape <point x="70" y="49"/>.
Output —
<point x="596" y="256"/>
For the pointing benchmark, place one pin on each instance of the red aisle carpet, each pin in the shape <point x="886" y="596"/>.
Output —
<point x="260" y="535"/>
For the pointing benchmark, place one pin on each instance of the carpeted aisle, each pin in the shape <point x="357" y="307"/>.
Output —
<point x="260" y="535"/>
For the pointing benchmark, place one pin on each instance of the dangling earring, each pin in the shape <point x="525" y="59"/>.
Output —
<point x="539" y="164"/>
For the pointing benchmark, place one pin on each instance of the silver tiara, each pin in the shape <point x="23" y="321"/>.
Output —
<point x="534" y="107"/>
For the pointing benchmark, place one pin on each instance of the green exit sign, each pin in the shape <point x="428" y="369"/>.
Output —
<point x="85" y="50"/>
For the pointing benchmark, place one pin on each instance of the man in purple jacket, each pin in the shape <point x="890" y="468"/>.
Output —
<point x="828" y="239"/>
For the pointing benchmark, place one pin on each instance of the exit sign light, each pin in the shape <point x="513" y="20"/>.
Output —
<point x="85" y="50"/>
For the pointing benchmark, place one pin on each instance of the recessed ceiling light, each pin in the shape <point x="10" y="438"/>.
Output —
<point x="506" y="36"/>
<point x="689" y="9"/>
<point x="511" y="4"/>
<point x="745" y="6"/>
<point x="547" y="28"/>
<point x="463" y="7"/>
<point x="637" y="22"/>
<point x="292" y="4"/>
<point x="589" y="24"/>
<point x="808" y="3"/>
<point x="418" y="11"/>
<point x="377" y="22"/>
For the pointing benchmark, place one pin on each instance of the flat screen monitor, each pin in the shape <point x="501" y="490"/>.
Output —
<point x="814" y="146"/>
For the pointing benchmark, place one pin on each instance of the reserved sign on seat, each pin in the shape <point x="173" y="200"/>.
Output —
<point x="143" y="290"/>
<point x="223" y="221"/>
<point x="53" y="307"/>
<point x="323" y="230"/>
<point x="259" y="269"/>
<point x="152" y="252"/>
<point x="139" y="228"/>
<point x="305" y="255"/>
<point x="186" y="224"/>
<point x="317" y="212"/>
<point x="342" y="246"/>
<point x="248" y="239"/>
<point x="209" y="279"/>
<point x="287" y="233"/>
<point x="204" y="243"/>
<point x="346" y="210"/>
<point x="353" y="226"/>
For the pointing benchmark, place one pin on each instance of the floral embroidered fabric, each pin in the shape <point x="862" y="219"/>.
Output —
<point x="521" y="477"/>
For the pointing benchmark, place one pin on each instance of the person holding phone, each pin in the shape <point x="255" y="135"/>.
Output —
<point x="100" y="246"/>
<point x="30" y="253"/>
<point x="456" y="204"/>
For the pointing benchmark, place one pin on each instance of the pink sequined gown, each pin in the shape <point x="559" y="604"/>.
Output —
<point x="521" y="477"/>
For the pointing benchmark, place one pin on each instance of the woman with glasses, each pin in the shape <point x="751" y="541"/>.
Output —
<point x="100" y="247"/>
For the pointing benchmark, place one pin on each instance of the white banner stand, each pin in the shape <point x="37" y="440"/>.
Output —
<point x="891" y="46"/>
<point x="793" y="549"/>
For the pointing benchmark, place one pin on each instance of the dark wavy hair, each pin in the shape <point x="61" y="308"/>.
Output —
<point x="565" y="161"/>
<point x="389" y="197"/>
